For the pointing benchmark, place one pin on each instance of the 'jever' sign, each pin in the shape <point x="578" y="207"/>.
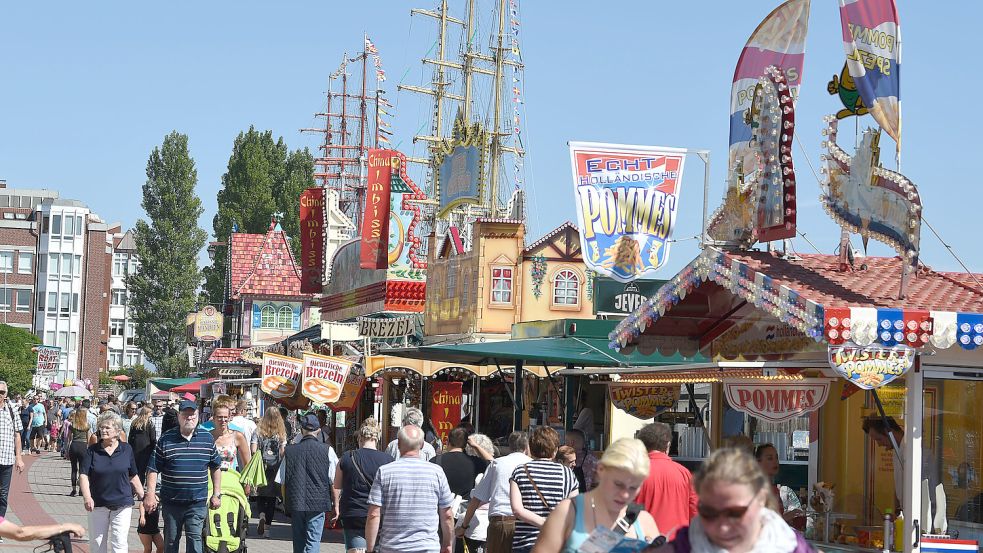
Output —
<point x="870" y="367"/>
<point x="776" y="401"/>
<point x="643" y="402"/>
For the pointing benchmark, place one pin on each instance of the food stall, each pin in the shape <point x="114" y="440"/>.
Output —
<point x="767" y="321"/>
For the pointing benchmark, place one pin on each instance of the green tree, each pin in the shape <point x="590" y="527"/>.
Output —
<point x="138" y="376"/>
<point x="262" y="178"/>
<point x="164" y="289"/>
<point x="17" y="361"/>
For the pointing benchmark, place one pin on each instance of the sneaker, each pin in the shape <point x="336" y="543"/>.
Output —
<point x="261" y="526"/>
<point x="73" y="493"/>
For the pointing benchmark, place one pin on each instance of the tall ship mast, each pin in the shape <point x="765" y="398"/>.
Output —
<point x="474" y="162"/>
<point x="355" y="119"/>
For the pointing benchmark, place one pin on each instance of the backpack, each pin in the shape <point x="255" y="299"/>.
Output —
<point x="270" y="449"/>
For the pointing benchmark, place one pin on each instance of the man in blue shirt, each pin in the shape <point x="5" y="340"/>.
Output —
<point x="183" y="459"/>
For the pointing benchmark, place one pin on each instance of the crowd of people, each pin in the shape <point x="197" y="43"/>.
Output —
<point x="413" y="494"/>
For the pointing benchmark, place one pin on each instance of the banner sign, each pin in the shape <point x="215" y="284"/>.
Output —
<point x="385" y="328"/>
<point x="375" y="219"/>
<point x="626" y="199"/>
<point x="643" y="402"/>
<point x="49" y="358"/>
<point x="617" y="298"/>
<point x="312" y="207"/>
<point x="777" y="401"/>
<point x="209" y="325"/>
<point x="406" y="261"/>
<point x="460" y="165"/>
<point x="445" y="407"/>
<point x="281" y="375"/>
<point x="872" y="41"/>
<point x="779" y="40"/>
<point x="324" y="377"/>
<point x="870" y="367"/>
<point x="351" y="392"/>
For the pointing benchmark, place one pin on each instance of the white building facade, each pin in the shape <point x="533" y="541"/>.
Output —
<point x="122" y="349"/>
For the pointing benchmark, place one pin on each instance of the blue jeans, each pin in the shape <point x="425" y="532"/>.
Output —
<point x="189" y="517"/>
<point x="5" y="473"/>
<point x="354" y="531"/>
<point x="307" y="527"/>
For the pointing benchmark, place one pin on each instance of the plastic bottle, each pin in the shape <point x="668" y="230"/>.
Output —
<point x="899" y="532"/>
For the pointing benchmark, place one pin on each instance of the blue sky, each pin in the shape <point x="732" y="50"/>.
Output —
<point x="88" y="89"/>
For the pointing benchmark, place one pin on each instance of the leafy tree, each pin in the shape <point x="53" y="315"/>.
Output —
<point x="164" y="289"/>
<point x="262" y="178"/>
<point x="138" y="376"/>
<point x="17" y="361"/>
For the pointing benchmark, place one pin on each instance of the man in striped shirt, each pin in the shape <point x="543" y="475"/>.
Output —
<point x="412" y="497"/>
<point x="183" y="458"/>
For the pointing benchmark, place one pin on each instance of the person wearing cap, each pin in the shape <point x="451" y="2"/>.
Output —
<point x="183" y="459"/>
<point x="308" y="492"/>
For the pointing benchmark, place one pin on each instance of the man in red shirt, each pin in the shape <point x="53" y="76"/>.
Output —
<point x="667" y="493"/>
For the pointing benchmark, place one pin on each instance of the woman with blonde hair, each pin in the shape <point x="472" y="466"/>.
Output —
<point x="269" y="440"/>
<point x="610" y="505"/>
<point x="79" y="433"/>
<point x="732" y="514"/>
<point x="352" y="481"/>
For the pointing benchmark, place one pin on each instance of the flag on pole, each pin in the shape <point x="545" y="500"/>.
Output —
<point x="872" y="41"/>
<point x="369" y="47"/>
<point x="779" y="40"/>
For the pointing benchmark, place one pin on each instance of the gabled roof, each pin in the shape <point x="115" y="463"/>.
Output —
<point x="128" y="242"/>
<point x="551" y="234"/>
<point x="813" y="295"/>
<point x="263" y="265"/>
<point x="225" y="356"/>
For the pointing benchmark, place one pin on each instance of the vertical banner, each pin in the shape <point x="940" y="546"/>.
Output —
<point x="445" y="407"/>
<point x="324" y="377"/>
<point x="779" y="40"/>
<point x="375" y="219"/>
<point x="351" y="391"/>
<point x="872" y="41"/>
<point x="311" y="240"/>
<point x="627" y="198"/>
<point x="281" y="375"/>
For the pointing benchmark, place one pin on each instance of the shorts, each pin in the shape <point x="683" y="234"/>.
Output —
<point x="37" y="432"/>
<point x="153" y="523"/>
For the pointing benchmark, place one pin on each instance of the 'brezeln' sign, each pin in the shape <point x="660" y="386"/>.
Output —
<point x="870" y="367"/>
<point x="324" y="377"/>
<point x="385" y="328"/>
<point x="776" y="401"/>
<point x="643" y="402"/>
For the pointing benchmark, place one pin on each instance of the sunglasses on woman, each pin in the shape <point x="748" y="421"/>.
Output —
<point x="709" y="513"/>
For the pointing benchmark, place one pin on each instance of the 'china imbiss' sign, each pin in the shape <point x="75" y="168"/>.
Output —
<point x="776" y="401"/>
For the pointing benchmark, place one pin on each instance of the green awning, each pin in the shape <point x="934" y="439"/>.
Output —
<point x="577" y="342"/>
<point x="165" y="384"/>
<point x="579" y="352"/>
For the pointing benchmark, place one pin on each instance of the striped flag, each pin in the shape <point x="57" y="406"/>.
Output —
<point x="779" y="40"/>
<point x="872" y="41"/>
<point x="369" y="47"/>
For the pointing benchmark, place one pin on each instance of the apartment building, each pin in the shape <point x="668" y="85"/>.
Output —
<point x="19" y="232"/>
<point x="123" y="351"/>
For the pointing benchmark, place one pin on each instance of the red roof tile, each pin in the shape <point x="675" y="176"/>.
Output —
<point x="818" y="278"/>
<point x="226" y="355"/>
<point x="263" y="265"/>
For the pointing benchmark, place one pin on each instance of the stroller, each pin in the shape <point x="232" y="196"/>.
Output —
<point x="225" y="528"/>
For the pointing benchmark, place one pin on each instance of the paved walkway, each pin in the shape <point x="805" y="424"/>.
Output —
<point x="40" y="496"/>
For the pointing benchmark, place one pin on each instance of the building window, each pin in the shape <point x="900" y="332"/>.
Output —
<point x="77" y="270"/>
<point x="133" y="359"/>
<point x="134" y="266"/>
<point x="78" y="224"/>
<point x="49" y="338"/>
<point x="131" y="333"/>
<point x="566" y="288"/>
<point x="119" y="264"/>
<point x="69" y="227"/>
<point x="501" y="285"/>
<point x="72" y="340"/>
<point x="66" y="304"/>
<point x="23" y="301"/>
<point x="5" y="299"/>
<point x="119" y="296"/>
<point x="116" y="327"/>
<point x="56" y="225"/>
<point x="63" y="340"/>
<point x="54" y="264"/>
<point x="40" y="301"/>
<point x="115" y="358"/>
<point x="66" y="266"/>
<point x="25" y="263"/>
<point x="267" y="317"/>
<point x="52" y="303"/>
<point x="285" y="317"/>
<point x="6" y="262"/>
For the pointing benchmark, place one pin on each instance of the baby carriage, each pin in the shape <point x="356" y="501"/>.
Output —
<point x="225" y="528"/>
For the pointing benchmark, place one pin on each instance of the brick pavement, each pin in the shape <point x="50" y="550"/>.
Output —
<point x="40" y="496"/>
